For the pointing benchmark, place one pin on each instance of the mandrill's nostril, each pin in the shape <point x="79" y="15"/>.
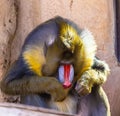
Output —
<point x="67" y="85"/>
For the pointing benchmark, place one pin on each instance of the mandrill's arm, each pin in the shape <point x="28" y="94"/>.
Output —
<point x="97" y="75"/>
<point x="17" y="82"/>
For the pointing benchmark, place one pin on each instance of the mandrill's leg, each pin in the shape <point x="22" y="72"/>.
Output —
<point x="97" y="75"/>
<point x="34" y="100"/>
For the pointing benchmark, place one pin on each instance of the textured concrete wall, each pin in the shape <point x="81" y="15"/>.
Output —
<point x="97" y="16"/>
<point x="7" y="32"/>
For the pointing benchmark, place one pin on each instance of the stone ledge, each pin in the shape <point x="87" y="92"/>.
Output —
<point x="11" y="109"/>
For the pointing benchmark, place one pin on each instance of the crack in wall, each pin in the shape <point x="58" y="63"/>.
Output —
<point x="16" y="7"/>
<point x="71" y="4"/>
<point x="10" y="27"/>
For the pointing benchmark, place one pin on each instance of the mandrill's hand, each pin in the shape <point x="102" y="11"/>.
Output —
<point x="84" y="84"/>
<point x="56" y="90"/>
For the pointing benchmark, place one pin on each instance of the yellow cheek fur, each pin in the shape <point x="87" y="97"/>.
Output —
<point x="34" y="59"/>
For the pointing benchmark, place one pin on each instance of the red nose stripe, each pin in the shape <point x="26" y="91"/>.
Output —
<point x="67" y="82"/>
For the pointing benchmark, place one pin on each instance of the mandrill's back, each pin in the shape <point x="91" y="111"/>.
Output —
<point x="44" y="34"/>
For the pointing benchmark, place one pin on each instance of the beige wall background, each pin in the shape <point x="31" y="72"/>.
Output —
<point x="19" y="17"/>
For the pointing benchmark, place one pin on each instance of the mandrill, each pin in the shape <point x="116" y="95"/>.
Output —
<point x="58" y="69"/>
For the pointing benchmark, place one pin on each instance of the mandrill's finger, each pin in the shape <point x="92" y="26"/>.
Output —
<point x="79" y="91"/>
<point x="82" y="89"/>
<point x="80" y="84"/>
<point x="78" y="87"/>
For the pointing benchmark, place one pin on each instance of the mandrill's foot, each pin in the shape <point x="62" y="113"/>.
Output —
<point x="84" y="84"/>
